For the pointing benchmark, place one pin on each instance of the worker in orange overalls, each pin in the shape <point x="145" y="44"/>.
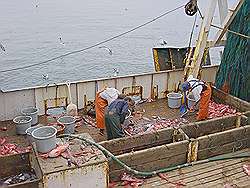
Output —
<point x="102" y="100"/>
<point x="206" y="94"/>
<point x="202" y="93"/>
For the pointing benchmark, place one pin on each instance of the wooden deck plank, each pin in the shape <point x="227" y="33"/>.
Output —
<point x="200" y="183"/>
<point x="238" y="179"/>
<point x="200" y="174"/>
<point x="236" y="174"/>
<point x="219" y="174"/>
<point x="203" y="166"/>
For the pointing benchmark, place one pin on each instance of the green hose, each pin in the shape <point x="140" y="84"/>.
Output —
<point x="152" y="173"/>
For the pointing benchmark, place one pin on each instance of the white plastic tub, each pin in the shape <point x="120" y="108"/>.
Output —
<point x="33" y="112"/>
<point x="191" y="102"/>
<point x="174" y="100"/>
<point x="69" y="123"/>
<point x="45" y="138"/>
<point x="22" y="124"/>
<point x="29" y="132"/>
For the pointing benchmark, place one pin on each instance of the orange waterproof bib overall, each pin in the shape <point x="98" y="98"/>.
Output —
<point x="204" y="103"/>
<point x="100" y="105"/>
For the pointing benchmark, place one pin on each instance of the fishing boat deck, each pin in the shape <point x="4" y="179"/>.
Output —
<point x="212" y="174"/>
<point x="155" y="108"/>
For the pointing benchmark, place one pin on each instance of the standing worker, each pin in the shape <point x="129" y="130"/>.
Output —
<point x="102" y="100"/>
<point x="202" y="93"/>
<point x="115" y="116"/>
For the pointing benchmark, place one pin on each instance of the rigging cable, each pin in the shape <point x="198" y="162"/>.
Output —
<point x="94" y="45"/>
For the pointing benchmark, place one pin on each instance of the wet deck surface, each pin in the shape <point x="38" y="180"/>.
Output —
<point x="212" y="174"/>
<point x="156" y="108"/>
<point x="160" y="108"/>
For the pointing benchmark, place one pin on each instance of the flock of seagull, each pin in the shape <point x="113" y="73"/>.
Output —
<point x="46" y="76"/>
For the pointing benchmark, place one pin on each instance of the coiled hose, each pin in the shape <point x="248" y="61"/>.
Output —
<point x="151" y="173"/>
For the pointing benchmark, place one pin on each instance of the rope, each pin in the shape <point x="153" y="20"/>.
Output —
<point x="94" y="45"/>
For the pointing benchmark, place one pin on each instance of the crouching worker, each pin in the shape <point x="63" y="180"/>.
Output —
<point x="115" y="116"/>
<point x="202" y="93"/>
<point x="103" y="99"/>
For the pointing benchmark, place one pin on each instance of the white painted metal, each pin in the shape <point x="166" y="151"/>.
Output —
<point x="93" y="173"/>
<point x="144" y="81"/>
<point x="11" y="102"/>
<point x="105" y="83"/>
<point x="85" y="88"/>
<point x="124" y="82"/>
<point x="173" y="79"/>
<point x="94" y="176"/>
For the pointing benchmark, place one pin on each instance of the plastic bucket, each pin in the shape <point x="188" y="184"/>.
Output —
<point x="136" y="98"/>
<point x="22" y="124"/>
<point x="29" y="132"/>
<point x="174" y="100"/>
<point x="33" y="112"/>
<point x="69" y="122"/>
<point x="191" y="101"/>
<point x="54" y="113"/>
<point x="45" y="138"/>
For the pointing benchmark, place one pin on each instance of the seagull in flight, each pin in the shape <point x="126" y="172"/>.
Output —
<point x="116" y="72"/>
<point x="110" y="51"/>
<point x="61" y="42"/>
<point x="162" y="42"/>
<point x="2" y="47"/>
<point x="45" y="76"/>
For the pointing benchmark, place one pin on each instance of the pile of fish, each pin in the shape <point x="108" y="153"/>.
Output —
<point x="82" y="155"/>
<point x="219" y="110"/>
<point x="154" y="125"/>
<point x="24" y="176"/>
<point x="56" y="152"/>
<point x="10" y="148"/>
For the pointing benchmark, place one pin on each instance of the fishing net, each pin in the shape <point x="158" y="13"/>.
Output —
<point x="233" y="75"/>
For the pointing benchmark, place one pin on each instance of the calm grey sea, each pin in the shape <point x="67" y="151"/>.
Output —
<point x="30" y="31"/>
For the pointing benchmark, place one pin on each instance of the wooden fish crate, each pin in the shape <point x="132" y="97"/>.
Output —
<point x="18" y="163"/>
<point x="222" y="97"/>
<point x="212" y="138"/>
<point x="223" y="142"/>
<point x="139" y="142"/>
<point x="197" y="129"/>
<point x="152" y="158"/>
